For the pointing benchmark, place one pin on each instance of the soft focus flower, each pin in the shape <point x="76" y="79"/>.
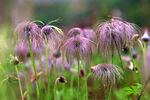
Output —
<point x="52" y="63"/>
<point x="77" y="47"/>
<point x="89" y="34"/>
<point x="54" y="40"/>
<point x="67" y="67"/>
<point x="145" y="36"/>
<point x="82" y="74"/>
<point x="27" y="27"/>
<point x="23" y="53"/>
<point x="114" y="34"/>
<point x="51" y="34"/>
<point x="133" y="53"/>
<point x="57" y="53"/>
<point x="107" y="72"/>
<point x="73" y="32"/>
<point x="62" y="79"/>
<point x="24" y="97"/>
<point x="131" y="67"/>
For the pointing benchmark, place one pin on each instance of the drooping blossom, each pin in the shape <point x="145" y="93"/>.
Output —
<point x="54" y="40"/>
<point x="107" y="72"/>
<point x="134" y="54"/>
<point x="23" y="53"/>
<point x="52" y="63"/>
<point x="27" y="27"/>
<point x="30" y="28"/>
<point x="51" y="34"/>
<point x="77" y="47"/>
<point x="114" y="33"/>
<point x="145" y="37"/>
<point x="89" y="34"/>
<point x="82" y="73"/>
<point x="131" y="67"/>
<point x="73" y="32"/>
<point x="62" y="79"/>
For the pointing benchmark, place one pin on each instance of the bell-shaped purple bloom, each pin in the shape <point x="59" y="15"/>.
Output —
<point x="73" y="32"/>
<point x="114" y="34"/>
<point x="77" y="47"/>
<point x="107" y="72"/>
<point x="145" y="37"/>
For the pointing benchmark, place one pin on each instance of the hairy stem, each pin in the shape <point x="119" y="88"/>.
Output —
<point x="78" y="74"/>
<point x="34" y="67"/>
<point x="48" y="76"/>
<point x="19" y="83"/>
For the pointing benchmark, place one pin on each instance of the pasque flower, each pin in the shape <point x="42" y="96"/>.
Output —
<point x="51" y="33"/>
<point x="30" y="28"/>
<point x="145" y="37"/>
<point x="114" y="34"/>
<point x="73" y="32"/>
<point x="89" y="34"/>
<point x="107" y="72"/>
<point x="27" y="27"/>
<point x="23" y="53"/>
<point x="77" y="47"/>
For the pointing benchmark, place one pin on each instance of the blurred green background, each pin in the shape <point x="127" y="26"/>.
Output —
<point x="81" y="13"/>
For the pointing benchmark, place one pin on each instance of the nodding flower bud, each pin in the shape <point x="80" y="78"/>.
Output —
<point x="131" y="67"/>
<point x="106" y="72"/>
<point x="33" y="79"/>
<point x="68" y="67"/>
<point x="62" y="79"/>
<point x="11" y="78"/>
<point x="136" y="36"/>
<point x="15" y="60"/>
<point x="125" y="49"/>
<point x="133" y="53"/>
<point x="57" y="53"/>
<point x="145" y="36"/>
<point x="82" y="73"/>
<point x="24" y="97"/>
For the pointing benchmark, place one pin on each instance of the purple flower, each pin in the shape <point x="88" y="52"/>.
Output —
<point x="62" y="79"/>
<point x="23" y="53"/>
<point x="51" y="34"/>
<point x="89" y="34"/>
<point x="145" y="37"/>
<point x="107" y="72"/>
<point x="77" y="46"/>
<point x="133" y="53"/>
<point x="67" y="67"/>
<point x="114" y="34"/>
<point x="30" y="28"/>
<point x="57" y="53"/>
<point x="73" y="32"/>
<point x="82" y="74"/>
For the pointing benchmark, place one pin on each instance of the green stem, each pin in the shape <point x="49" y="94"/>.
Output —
<point x="71" y="85"/>
<point x="19" y="83"/>
<point x="48" y="76"/>
<point x="144" y="56"/>
<point x="78" y="75"/>
<point x="119" y="53"/>
<point x="132" y="59"/>
<point x="85" y="82"/>
<point x="105" y="92"/>
<point x="109" y="95"/>
<point x="34" y="67"/>
<point x="55" y="88"/>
